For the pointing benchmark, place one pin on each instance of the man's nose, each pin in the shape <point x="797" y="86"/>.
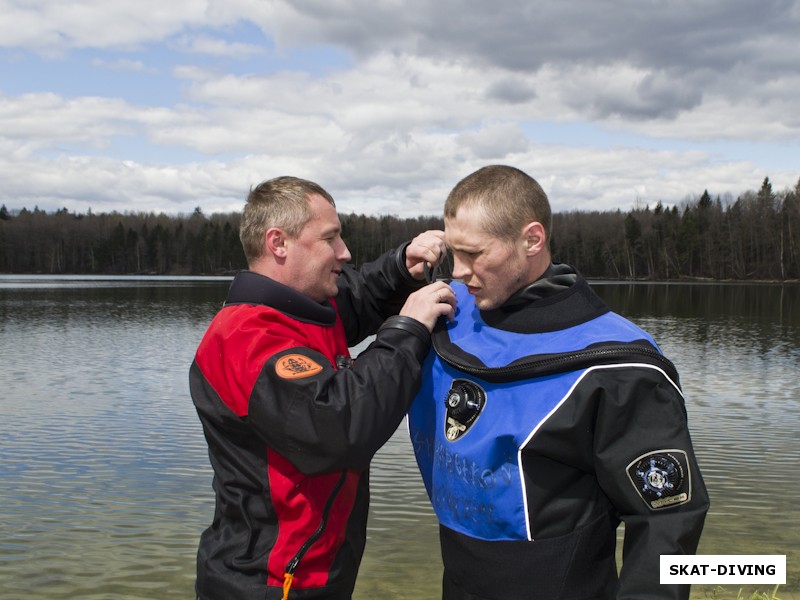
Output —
<point x="460" y="269"/>
<point x="343" y="253"/>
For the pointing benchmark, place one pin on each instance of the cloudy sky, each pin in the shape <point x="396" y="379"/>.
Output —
<point x="165" y="105"/>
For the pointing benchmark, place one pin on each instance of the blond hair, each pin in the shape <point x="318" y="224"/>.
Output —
<point x="506" y="197"/>
<point x="280" y="202"/>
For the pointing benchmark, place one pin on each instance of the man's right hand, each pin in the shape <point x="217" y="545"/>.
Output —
<point x="427" y="304"/>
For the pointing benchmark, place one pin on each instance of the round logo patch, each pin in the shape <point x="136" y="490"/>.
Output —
<point x="296" y="366"/>
<point x="661" y="478"/>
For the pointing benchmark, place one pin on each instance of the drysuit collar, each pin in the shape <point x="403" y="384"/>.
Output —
<point x="559" y="299"/>
<point x="249" y="287"/>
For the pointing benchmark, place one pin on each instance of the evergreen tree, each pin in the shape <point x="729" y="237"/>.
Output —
<point x="755" y="237"/>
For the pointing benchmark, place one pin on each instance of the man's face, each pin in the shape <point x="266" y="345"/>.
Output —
<point x="316" y="255"/>
<point x="491" y="268"/>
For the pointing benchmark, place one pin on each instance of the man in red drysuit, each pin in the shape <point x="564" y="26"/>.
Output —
<point x="291" y="421"/>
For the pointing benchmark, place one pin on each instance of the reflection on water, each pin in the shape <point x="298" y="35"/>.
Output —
<point x="105" y="476"/>
<point x="105" y="484"/>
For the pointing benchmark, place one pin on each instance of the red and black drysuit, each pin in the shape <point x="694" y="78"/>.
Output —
<point x="292" y="424"/>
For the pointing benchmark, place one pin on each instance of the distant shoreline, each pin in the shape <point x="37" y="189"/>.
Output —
<point x="229" y="274"/>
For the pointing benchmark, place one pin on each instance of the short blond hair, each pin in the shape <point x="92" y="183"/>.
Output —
<point x="506" y="197"/>
<point x="280" y="202"/>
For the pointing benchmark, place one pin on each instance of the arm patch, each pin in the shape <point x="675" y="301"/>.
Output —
<point x="662" y="478"/>
<point x="296" y="366"/>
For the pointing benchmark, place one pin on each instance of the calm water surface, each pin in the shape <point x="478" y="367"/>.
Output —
<point x="105" y="484"/>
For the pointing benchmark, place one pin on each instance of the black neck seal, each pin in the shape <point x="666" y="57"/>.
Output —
<point x="558" y="300"/>
<point x="251" y="288"/>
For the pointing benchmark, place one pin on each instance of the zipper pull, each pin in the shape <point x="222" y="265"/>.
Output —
<point x="287" y="584"/>
<point x="288" y="576"/>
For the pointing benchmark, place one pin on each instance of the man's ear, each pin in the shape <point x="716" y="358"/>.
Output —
<point x="275" y="242"/>
<point x="535" y="238"/>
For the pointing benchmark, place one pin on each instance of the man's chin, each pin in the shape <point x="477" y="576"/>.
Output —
<point x="486" y="303"/>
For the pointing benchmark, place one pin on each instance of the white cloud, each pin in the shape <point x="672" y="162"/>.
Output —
<point x="205" y="44"/>
<point x="122" y="65"/>
<point x="645" y="100"/>
<point x="47" y="120"/>
<point x="49" y="25"/>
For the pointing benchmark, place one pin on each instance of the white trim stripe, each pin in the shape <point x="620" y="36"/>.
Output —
<point x="552" y="412"/>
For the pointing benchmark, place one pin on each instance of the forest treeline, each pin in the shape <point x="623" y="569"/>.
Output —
<point x="755" y="237"/>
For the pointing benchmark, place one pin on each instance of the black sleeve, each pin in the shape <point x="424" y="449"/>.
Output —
<point x="378" y="290"/>
<point x="645" y="464"/>
<point x="322" y="419"/>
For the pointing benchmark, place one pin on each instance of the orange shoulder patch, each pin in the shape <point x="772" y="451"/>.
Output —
<point x="296" y="366"/>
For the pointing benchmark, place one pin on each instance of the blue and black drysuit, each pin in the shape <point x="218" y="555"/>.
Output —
<point x="539" y="426"/>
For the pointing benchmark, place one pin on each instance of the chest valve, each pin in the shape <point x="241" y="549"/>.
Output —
<point x="464" y="402"/>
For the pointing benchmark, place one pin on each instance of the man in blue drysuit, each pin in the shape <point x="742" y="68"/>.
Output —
<point x="545" y="419"/>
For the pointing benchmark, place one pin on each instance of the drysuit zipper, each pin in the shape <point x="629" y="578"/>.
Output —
<point x="292" y="565"/>
<point x="539" y="365"/>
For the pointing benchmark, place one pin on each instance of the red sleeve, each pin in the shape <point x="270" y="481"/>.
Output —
<point x="232" y="354"/>
<point x="319" y="417"/>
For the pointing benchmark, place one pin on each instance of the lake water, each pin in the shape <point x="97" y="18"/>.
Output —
<point x="104" y="479"/>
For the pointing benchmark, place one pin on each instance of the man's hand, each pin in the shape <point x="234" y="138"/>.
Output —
<point x="427" y="304"/>
<point x="428" y="247"/>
